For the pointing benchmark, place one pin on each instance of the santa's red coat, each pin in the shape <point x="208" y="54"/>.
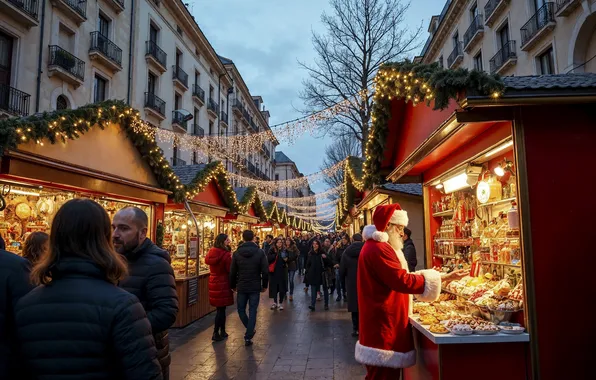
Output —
<point x="384" y="286"/>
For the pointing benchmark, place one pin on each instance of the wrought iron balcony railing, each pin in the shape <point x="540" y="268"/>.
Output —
<point x="180" y="75"/>
<point x="212" y="106"/>
<point x="102" y="44"/>
<point x="476" y="26"/>
<point x="544" y="16"/>
<point x="506" y="53"/>
<point x="63" y="59"/>
<point x="156" y="52"/>
<point x="455" y="54"/>
<point x="198" y="131"/>
<point x="224" y="117"/>
<point x="155" y="103"/>
<point x="14" y="101"/>
<point x="198" y="92"/>
<point x="79" y="6"/>
<point x="178" y="118"/>
<point x="30" y="7"/>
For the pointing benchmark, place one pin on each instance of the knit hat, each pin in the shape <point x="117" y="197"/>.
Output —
<point x="382" y="217"/>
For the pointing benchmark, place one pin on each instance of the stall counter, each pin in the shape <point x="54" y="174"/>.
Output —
<point x="193" y="299"/>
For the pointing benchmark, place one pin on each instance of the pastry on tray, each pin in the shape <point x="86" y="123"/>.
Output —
<point x="428" y="320"/>
<point x="438" y="328"/>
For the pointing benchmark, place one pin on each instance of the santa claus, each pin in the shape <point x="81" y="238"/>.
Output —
<point x="384" y="287"/>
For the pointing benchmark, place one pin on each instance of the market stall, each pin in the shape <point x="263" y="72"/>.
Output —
<point x="497" y="166"/>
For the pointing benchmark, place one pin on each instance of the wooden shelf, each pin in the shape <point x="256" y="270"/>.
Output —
<point x="444" y="213"/>
<point x="502" y="201"/>
<point x="502" y="264"/>
<point x="445" y="256"/>
<point x="460" y="242"/>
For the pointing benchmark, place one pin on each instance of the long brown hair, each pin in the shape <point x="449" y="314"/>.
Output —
<point x="274" y="245"/>
<point x="220" y="242"/>
<point x="81" y="229"/>
<point x="35" y="246"/>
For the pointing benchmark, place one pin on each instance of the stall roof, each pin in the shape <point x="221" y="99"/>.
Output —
<point x="186" y="173"/>
<point x="407" y="188"/>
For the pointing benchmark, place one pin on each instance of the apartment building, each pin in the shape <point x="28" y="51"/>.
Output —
<point x="178" y="74"/>
<point x="514" y="37"/>
<point x="249" y="116"/>
<point x="286" y="169"/>
<point x="58" y="54"/>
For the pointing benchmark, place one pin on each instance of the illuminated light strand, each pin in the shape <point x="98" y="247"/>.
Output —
<point x="300" y="201"/>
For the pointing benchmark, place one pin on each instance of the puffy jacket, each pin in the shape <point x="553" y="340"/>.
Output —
<point x="348" y="271"/>
<point x="293" y="254"/>
<point x="249" y="272"/>
<point x="220" y="292"/>
<point x="14" y="282"/>
<point x="409" y="251"/>
<point x="151" y="279"/>
<point x="304" y="247"/>
<point x="81" y="326"/>
<point x="316" y="267"/>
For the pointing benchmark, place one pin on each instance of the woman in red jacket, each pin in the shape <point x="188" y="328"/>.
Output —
<point x="219" y="259"/>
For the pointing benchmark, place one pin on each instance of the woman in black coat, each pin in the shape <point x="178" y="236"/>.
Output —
<point x="78" y="324"/>
<point x="348" y="272"/>
<point x="293" y="254"/>
<point x="278" y="279"/>
<point x="316" y="266"/>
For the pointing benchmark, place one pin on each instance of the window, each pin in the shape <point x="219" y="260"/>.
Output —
<point x="103" y="25"/>
<point x="455" y="39"/>
<point x="197" y="78"/>
<point x="277" y="177"/>
<point x="503" y="35"/>
<point x="66" y="38"/>
<point x="62" y="103"/>
<point x="197" y="53"/>
<point x="153" y="33"/>
<point x="441" y="62"/>
<point x="194" y="158"/>
<point x="546" y="62"/>
<point x="101" y="87"/>
<point x="177" y="101"/>
<point x="174" y="154"/>
<point x="179" y="30"/>
<point x="151" y="83"/>
<point x="211" y="92"/>
<point x="478" y="61"/>
<point x="210" y="128"/>
<point x="474" y="11"/>
<point x="178" y="58"/>
<point x="6" y="44"/>
<point x="211" y="72"/>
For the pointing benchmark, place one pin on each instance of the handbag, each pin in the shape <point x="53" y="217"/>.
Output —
<point x="272" y="265"/>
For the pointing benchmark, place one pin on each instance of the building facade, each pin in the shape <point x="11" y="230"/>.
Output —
<point x="514" y="37"/>
<point x="57" y="54"/>
<point x="286" y="169"/>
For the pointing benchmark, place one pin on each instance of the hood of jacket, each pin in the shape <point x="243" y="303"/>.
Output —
<point x="215" y="255"/>
<point x="147" y="248"/>
<point x="248" y="249"/>
<point x="354" y="249"/>
<point x="78" y="267"/>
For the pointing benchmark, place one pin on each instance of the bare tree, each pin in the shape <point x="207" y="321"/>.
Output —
<point x="338" y="151"/>
<point x="360" y="36"/>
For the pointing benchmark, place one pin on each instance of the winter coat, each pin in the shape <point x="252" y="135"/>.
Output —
<point x="410" y="253"/>
<point x="151" y="279"/>
<point x="220" y="293"/>
<point x="266" y="247"/>
<point x="316" y="267"/>
<point x="304" y="247"/>
<point x="337" y="254"/>
<point x="249" y="272"/>
<point x="81" y="326"/>
<point x="14" y="280"/>
<point x="278" y="280"/>
<point x="348" y="270"/>
<point x="293" y="254"/>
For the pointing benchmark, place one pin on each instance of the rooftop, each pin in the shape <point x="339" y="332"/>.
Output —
<point x="225" y="61"/>
<point x="407" y="188"/>
<point x="554" y="81"/>
<point x="281" y="158"/>
<point x="186" y="173"/>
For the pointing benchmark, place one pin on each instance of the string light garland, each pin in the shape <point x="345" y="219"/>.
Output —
<point x="300" y="201"/>
<point x="416" y="83"/>
<point x="318" y="206"/>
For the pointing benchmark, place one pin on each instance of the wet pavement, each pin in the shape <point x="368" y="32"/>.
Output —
<point x="291" y="344"/>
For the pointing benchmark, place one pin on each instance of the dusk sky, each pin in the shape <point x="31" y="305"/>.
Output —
<point x="265" y="39"/>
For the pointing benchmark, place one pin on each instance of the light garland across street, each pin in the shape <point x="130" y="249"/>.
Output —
<point x="300" y="201"/>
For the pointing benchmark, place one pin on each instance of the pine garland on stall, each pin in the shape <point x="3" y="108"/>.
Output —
<point x="416" y="83"/>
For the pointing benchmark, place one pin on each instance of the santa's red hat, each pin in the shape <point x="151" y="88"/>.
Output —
<point x="384" y="215"/>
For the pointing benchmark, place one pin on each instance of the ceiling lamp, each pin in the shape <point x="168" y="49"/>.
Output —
<point x="499" y="148"/>
<point x="456" y="182"/>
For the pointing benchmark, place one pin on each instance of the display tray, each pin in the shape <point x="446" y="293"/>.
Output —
<point x="499" y="337"/>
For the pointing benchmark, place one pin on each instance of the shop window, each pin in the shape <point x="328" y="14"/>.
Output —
<point x="546" y="62"/>
<point x="100" y="89"/>
<point x="62" y="103"/>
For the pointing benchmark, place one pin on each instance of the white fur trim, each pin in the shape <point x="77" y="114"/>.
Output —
<point x="384" y="358"/>
<point x="370" y="232"/>
<point x="399" y="217"/>
<point x="432" y="285"/>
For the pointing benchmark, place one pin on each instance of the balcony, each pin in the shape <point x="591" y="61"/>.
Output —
<point x="155" y="106"/>
<point x="198" y="94"/>
<point x="251" y="168"/>
<point x="456" y="57"/>
<point x="212" y="108"/>
<point x="155" y="56"/>
<point x="565" y="7"/>
<point x="66" y="66"/>
<point x="474" y="34"/>
<point x="238" y="108"/>
<point x="105" y="51"/>
<point x="178" y="161"/>
<point x="178" y="122"/>
<point x="197" y="131"/>
<point x="538" y="27"/>
<point x="253" y="125"/>
<point x="224" y="118"/>
<point x="505" y="58"/>
<point x="13" y="102"/>
<point x="180" y="78"/>
<point x="493" y="9"/>
<point x="75" y="10"/>
<point x="266" y="150"/>
<point x="24" y="11"/>
<point x="117" y="5"/>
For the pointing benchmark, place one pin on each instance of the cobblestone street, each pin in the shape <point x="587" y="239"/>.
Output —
<point x="290" y="344"/>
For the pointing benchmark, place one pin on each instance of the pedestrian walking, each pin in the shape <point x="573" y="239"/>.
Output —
<point x="278" y="273"/>
<point x="150" y="277"/>
<point x="304" y="247"/>
<point x="219" y="259"/>
<point x="267" y="243"/>
<point x="249" y="276"/>
<point x="340" y="285"/>
<point x="14" y="277"/>
<point x="348" y="271"/>
<point x="316" y="266"/>
<point x="329" y="271"/>
<point x="293" y="254"/>
<point x="36" y="245"/>
<point x="79" y="324"/>
<point x="409" y="250"/>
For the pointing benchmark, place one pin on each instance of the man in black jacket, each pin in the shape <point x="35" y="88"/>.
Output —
<point x="14" y="277"/>
<point x="150" y="277"/>
<point x="249" y="275"/>
<point x="409" y="250"/>
<point x="304" y="248"/>
<point x="348" y="271"/>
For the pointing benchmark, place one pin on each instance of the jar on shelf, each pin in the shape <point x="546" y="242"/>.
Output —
<point x="513" y="216"/>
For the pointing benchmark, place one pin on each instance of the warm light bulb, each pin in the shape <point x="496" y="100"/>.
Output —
<point x="499" y="171"/>
<point x="439" y="186"/>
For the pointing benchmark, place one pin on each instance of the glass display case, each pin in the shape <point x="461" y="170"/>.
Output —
<point x="234" y="230"/>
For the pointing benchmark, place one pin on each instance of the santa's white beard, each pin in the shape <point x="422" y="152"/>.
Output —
<point x="395" y="240"/>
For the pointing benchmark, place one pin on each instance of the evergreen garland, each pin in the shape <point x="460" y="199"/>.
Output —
<point x="159" y="234"/>
<point x="417" y="82"/>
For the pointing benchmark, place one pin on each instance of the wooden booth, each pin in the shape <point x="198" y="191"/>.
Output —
<point x="507" y="185"/>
